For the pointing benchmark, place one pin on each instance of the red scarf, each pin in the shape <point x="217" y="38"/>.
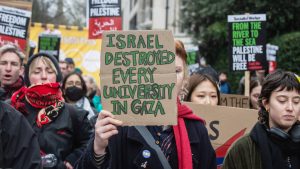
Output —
<point x="43" y="95"/>
<point x="184" y="152"/>
<point x="47" y="97"/>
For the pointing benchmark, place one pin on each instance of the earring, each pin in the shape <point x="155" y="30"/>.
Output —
<point x="183" y="93"/>
<point x="181" y="97"/>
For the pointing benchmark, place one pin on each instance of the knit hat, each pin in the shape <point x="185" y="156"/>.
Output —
<point x="53" y="60"/>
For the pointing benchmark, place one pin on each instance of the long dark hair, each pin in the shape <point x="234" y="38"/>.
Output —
<point x="278" y="80"/>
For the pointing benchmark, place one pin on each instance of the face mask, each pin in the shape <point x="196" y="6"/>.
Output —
<point x="74" y="93"/>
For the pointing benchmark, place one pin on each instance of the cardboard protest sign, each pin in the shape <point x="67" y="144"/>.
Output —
<point x="138" y="76"/>
<point x="14" y="26"/>
<point x="103" y="15"/>
<point x="225" y="125"/>
<point x="233" y="100"/>
<point x="49" y="44"/>
<point x="247" y="42"/>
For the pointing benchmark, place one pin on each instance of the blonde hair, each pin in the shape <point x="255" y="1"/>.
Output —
<point x="43" y="59"/>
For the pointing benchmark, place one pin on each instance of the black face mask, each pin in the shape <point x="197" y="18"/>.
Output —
<point x="74" y="93"/>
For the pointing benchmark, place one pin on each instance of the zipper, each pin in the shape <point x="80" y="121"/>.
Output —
<point x="289" y="163"/>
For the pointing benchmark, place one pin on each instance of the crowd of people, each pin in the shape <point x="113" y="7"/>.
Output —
<point x="51" y="117"/>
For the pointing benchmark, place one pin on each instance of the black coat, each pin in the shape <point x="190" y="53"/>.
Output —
<point x="19" y="148"/>
<point x="125" y="150"/>
<point x="66" y="137"/>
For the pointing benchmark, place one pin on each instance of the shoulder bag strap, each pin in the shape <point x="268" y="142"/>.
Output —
<point x="150" y="140"/>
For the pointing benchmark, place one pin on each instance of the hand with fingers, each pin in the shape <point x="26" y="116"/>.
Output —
<point x="105" y="127"/>
<point x="68" y="165"/>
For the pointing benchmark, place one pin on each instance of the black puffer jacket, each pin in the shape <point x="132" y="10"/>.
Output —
<point x="66" y="137"/>
<point x="19" y="148"/>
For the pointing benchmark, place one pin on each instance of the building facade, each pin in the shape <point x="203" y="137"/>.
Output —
<point x="156" y="14"/>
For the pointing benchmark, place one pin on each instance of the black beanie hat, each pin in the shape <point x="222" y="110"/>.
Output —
<point x="53" y="60"/>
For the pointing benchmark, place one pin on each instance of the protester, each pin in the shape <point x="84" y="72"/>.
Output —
<point x="74" y="91"/>
<point x="11" y="69"/>
<point x="78" y="71"/>
<point x="19" y="148"/>
<point x="70" y="64"/>
<point x="91" y="86"/>
<point x="208" y="71"/>
<point x="255" y="89"/>
<point x="123" y="147"/>
<point x="224" y="84"/>
<point x="202" y="89"/>
<point x="97" y="100"/>
<point x="63" y="68"/>
<point x="274" y="142"/>
<point x="93" y="92"/>
<point x="62" y="129"/>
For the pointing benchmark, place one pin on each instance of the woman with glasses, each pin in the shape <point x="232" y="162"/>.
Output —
<point x="74" y="91"/>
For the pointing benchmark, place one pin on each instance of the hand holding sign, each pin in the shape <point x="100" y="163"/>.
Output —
<point x="106" y="126"/>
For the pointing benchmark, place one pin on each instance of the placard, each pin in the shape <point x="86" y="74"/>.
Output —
<point x="225" y="125"/>
<point x="14" y="26"/>
<point x="271" y="57"/>
<point x="138" y="76"/>
<point x="49" y="44"/>
<point x="247" y="42"/>
<point x="103" y="15"/>
<point x="233" y="100"/>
